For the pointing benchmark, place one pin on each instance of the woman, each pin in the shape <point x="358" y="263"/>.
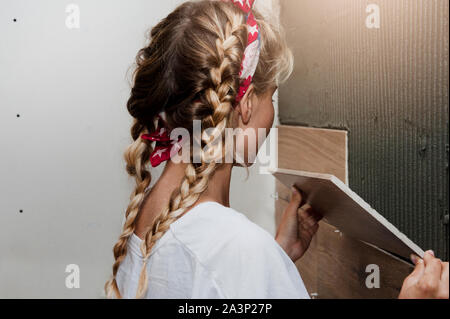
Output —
<point x="215" y="64"/>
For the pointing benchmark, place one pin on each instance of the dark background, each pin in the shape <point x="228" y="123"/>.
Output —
<point x="389" y="88"/>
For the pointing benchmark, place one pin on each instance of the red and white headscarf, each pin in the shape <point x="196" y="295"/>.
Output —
<point x="253" y="49"/>
<point x="167" y="148"/>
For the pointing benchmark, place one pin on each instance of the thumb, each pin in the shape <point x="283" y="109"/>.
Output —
<point x="418" y="270"/>
<point x="415" y="259"/>
<point x="296" y="199"/>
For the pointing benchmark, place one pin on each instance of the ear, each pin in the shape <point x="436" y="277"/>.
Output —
<point x="245" y="106"/>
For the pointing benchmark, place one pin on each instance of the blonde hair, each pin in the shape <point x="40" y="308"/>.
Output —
<point x="190" y="69"/>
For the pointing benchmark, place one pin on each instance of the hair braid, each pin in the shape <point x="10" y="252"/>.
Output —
<point x="195" y="181"/>
<point x="136" y="157"/>
<point x="194" y="54"/>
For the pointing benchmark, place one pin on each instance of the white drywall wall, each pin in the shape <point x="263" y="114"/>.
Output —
<point x="61" y="160"/>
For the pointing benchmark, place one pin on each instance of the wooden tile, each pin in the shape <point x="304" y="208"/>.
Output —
<point x="335" y="264"/>
<point x="345" y="210"/>
<point x="315" y="150"/>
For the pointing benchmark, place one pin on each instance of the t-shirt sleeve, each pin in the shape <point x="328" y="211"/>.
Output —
<point x="254" y="266"/>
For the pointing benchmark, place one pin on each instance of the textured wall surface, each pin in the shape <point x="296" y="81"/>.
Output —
<point x="386" y="85"/>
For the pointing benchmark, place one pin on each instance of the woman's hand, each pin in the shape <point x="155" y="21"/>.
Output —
<point x="429" y="280"/>
<point x="297" y="227"/>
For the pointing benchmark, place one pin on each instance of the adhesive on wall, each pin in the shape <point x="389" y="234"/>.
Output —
<point x="380" y="70"/>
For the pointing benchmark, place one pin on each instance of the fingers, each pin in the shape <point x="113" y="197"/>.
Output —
<point x="313" y="230"/>
<point x="307" y="214"/>
<point x="429" y="282"/>
<point x="444" y="288"/>
<point x="408" y="290"/>
<point x="312" y="212"/>
<point x="307" y="218"/>
<point x="429" y="255"/>
<point x="432" y="264"/>
<point x="444" y="274"/>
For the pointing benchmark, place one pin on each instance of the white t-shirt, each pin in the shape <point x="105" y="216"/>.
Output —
<point x="212" y="252"/>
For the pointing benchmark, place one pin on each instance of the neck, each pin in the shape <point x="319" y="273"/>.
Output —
<point x="218" y="186"/>
<point x="218" y="190"/>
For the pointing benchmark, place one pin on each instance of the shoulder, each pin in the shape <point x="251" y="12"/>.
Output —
<point x="244" y="259"/>
<point x="211" y="228"/>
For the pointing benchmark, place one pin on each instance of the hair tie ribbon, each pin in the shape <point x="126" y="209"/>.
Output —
<point x="165" y="147"/>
